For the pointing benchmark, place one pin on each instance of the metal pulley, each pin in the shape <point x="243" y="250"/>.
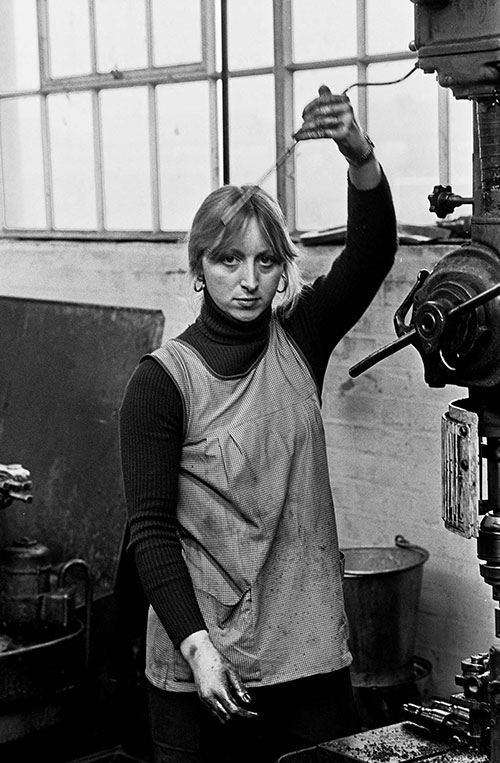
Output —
<point x="455" y="320"/>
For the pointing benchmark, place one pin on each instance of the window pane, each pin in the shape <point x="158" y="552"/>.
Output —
<point x="19" y="68"/>
<point x="22" y="168"/>
<point x="323" y="29"/>
<point x="461" y="122"/>
<point x="69" y="37"/>
<point x="217" y="41"/>
<point x="176" y="32"/>
<point x="389" y="25"/>
<point x="72" y="152"/>
<point x="320" y="169"/>
<point x="126" y="158"/>
<point x="121" y="34"/>
<point x="403" y="124"/>
<point x="184" y="147"/>
<point x="251" y="130"/>
<point x="250" y="33"/>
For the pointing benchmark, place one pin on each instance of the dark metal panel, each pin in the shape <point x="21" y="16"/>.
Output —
<point x="63" y="371"/>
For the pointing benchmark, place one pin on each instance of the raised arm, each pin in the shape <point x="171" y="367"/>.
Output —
<point x="331" y="306"/>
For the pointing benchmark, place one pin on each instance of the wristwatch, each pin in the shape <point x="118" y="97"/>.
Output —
<point x="358" y="161"/>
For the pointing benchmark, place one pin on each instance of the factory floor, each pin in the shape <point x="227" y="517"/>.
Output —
<point x="91" y="726"/>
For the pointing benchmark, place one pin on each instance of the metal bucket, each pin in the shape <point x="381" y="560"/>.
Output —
<point x="382" y="593"/>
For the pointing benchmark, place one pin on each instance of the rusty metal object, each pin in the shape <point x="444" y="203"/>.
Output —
<point x="460" y="472"/>
<point x="15" y="484"/>
<point x="25" y="575"/>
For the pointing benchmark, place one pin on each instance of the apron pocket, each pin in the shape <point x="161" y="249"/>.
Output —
<point x="231" y="628"/>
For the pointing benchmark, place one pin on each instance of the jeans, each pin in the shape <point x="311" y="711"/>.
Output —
<point x="292" y="716"/>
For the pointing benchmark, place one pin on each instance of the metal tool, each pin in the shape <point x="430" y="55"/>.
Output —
<point x="15" y="484"/>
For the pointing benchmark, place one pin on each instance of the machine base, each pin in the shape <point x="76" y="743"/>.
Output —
<point x="399" y="743"/>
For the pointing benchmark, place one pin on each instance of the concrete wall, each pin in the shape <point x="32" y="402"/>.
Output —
<point x="383" y="428"/>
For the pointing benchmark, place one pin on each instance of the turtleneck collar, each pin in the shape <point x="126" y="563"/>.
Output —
<point x="222" y="328"/>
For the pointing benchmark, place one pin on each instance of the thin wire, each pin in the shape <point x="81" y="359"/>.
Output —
<point x="235" y="208"/>
<point x="388" y="82"/>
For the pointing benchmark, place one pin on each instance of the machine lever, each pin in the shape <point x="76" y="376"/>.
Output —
<point x="382" y="353"/>
<point x="402" y="311"/>
<point x="407" y="338"/>
<point x="479" y="299"/>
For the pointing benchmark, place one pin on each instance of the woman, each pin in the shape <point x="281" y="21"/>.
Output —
<point x="224" y="462"/>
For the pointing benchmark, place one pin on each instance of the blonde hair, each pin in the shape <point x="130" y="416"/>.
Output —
<point x="208" y="233"/>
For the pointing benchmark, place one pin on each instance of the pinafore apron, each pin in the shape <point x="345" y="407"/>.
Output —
<point x="256" y="520"/>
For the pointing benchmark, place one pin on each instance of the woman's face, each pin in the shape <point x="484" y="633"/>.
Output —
<point x="243" y="279"/>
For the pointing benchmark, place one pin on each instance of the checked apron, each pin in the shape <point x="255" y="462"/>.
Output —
<point x="256" y="520"/>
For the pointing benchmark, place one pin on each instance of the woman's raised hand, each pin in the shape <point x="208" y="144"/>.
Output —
<point x="332" y="116"/>
<point x="327" y="116"/>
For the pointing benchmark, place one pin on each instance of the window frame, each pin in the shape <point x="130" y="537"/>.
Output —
<point x="207" y="70"/>
<point x="94" y="83"/>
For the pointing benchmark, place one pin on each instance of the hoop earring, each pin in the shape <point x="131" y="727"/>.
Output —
<point x="199" y="284"/>
<point x="285" y="284"/>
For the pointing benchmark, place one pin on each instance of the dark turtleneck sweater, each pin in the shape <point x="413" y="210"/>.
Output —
<point x="151" y="416"/>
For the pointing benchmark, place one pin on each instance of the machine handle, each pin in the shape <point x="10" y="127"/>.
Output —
<point x="409" y="336"/>
<point x="470" y="304"/>
<point x="443" y="201"/>
<point x="382" y="353"/>
<point x="404" y="308"/>
<point x="401" y="541"/>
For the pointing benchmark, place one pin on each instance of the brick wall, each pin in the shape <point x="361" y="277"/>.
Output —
<point x="383" y="428"/>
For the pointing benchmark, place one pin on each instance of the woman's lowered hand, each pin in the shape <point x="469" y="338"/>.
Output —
<point x="218" y="684"/>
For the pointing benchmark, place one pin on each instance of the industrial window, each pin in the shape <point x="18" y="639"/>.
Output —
<point x="118" y="116"/>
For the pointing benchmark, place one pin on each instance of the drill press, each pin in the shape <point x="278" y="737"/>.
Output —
<point x="452" y="317"/>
